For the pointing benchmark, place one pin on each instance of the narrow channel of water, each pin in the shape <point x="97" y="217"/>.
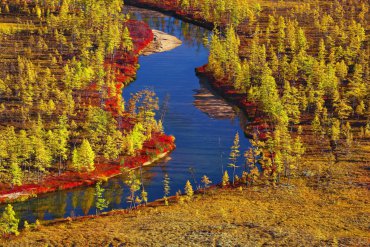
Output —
<point x="203" y="135"/>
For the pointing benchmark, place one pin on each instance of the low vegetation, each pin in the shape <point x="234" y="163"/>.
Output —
<point x="300" y="70"/>
<point x="64" y="65"/>
<point x="309" y="211"/>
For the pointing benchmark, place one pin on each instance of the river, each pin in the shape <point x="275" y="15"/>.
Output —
<point x="204" y="133"/>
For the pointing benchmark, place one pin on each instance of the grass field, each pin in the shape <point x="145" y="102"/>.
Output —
<point x="309" y="211"/>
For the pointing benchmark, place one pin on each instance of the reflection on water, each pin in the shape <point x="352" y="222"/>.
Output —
<point x="211" y="104"/>
<point x="190" y="34"/>
<point x="203" y="142"/>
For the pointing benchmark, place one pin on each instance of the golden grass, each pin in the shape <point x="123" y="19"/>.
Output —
<point x="290" y="215"/>
<point x="310" y="211"/>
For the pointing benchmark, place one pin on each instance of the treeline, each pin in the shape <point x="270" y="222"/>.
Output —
<point x="294" y="72"/>
<point x="55" y="84"/>
<point x="233" y="11"/>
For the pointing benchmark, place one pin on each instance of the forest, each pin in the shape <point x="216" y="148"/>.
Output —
<point x="289" y="74"/>
<point x="298" y="70"/>
<point x="64" y="65"/>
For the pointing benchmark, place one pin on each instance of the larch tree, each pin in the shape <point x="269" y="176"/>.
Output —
<point x="225" y="179"/>
<point x="166" y="188"/>
<point x="62" y="138"/>
<point x="206" y="181"/>
<point x="16" y="174"/>
<point x="9" y="222"/>
<point x="86" y="156"/>
<point x="189" y="192"/>
<point x="234" y="154"/>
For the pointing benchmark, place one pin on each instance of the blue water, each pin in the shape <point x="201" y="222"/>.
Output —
<point x="203" y="143"/>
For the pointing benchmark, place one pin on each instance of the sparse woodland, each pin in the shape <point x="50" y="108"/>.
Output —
<point x="299" y="70"/>
<point x="297" y="76"/>
<point x="63" y="67"/>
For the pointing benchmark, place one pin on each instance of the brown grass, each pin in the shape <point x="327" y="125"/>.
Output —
<point x="303" y="213"/>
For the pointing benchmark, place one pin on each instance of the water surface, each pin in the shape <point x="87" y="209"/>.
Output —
<point x="203" y="137"/>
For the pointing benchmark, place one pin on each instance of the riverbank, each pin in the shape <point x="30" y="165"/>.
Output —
<point x="157" y="148"/>
<point x="125" y="63"/>
<point x="310" y="210"/>
<point x="294" y="215"/>
<point x="161" y="42"/>
<point x="169" y="8"/>
<point x="228" y="92"/>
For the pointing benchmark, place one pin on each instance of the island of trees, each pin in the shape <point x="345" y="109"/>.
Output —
<point x="64" y="65"/>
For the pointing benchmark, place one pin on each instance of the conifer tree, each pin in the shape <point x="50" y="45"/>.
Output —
<point x="134" y="183"/>
<point x="16" y="174"/>
<point x="75" y="160"/>
<point x="343" y="109"/>
<point x="335" y="131"/>
<point x="86" y="156"/>
<point x="126" y="40"/>
<point x="316" y="125"/>
<point x="62" y="137"/>
<point x="9" y="222"/>
<point x="234" y="154"/>
<point x="166" y="188"/>
<point x="206" y="182"/>
<point x="225" y="179"/>
<point x="189" y="192"/>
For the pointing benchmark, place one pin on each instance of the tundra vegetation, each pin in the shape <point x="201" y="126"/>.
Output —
<point x="64" y="64"/>
<point x="300" y="70"/>
<point x="63" y="67"/>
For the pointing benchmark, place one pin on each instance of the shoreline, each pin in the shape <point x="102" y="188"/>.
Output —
<point x="226" y="91"/>
<point x="161" y="42"/>
<point x="167" y="10"/>
<point x="126" y="64"/>
<point x="70" y="180"/>
<point x="229" y="94"/>
<point x="297" y="213"/>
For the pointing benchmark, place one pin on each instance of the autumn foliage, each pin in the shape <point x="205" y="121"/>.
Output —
<point x="159" y="144"/>
<point x="125" y="63"/>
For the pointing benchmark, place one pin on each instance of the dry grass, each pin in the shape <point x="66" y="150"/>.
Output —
<point x="326" y="205"/>
<point x="296" y="215"/>
<point x="316" y="210"/>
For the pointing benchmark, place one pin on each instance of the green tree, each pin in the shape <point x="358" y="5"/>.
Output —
<point x="322" y="51"/>
<point x="62" y="137"/>
<point x="127" y="43"/>
<point x="75" y="160"/>
<point x="189" y="192"/>
<point x="133" y="182"/>
<point x="335" y="131"/>
<point x="9" y="222"/>
<point x="360" y="108"/>
<point x="281" y="35"/>
<point x="225" y="179"/>
<point x="83" y="157"/>
<point x="86" y="156"/>
<point x="316" y="125"/>
<point x="343" y="109"/>
<point x="16" y="174"/>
